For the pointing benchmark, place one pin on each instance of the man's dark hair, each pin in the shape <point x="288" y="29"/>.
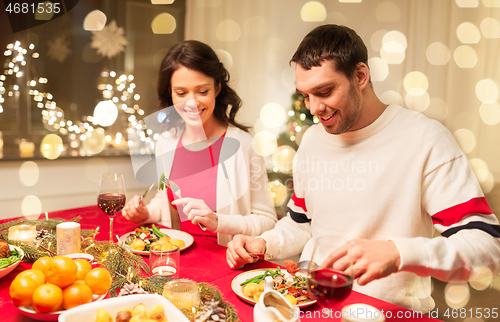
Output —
<point x="340" y="44"/>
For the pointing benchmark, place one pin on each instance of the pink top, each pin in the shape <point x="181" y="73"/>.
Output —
<point x="195" y="172"/>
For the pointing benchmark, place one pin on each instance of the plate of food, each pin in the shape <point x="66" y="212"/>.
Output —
<point x="248" y="286"/>
<point x="10" y="257"/>
<point x="142" y="238"/>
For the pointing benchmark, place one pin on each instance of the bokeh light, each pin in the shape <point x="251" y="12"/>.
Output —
<point x="272" y="115"/>
<point x="51" y="146"/>
<point x="467" y="3"/>
<point x="391" y="97"/>
<point x="378" y="69"/>
<point x="438" y="54"/>
<point x="31" y="207"/>
<point x="278" y="192"/>
<point x="490" y="113"/>
<point x="468" y="33"/>
<point x="388" y="11"/>
<point x="376" y="39"/>
<point x="228" y="30"/>
<point x="163" y="24"/>
<point x="264" y="143"/>
<point x="490" y="28"/>
<point x="94" y="143"/>
<point x="275" y="49"/>
<point x="465" y="139"/>
<point x="437" y="110"/>
<point x="225" y="58"/>
<point x="259" y="126"/>
<point x="105" y="113"/>
<point x="418" y="103"/>
<point x="392" y="58"/>
<point x="29" y="173"/>
<point x="313" y="11"/>
<point x="283" y="158"/>
<point x="485" y="179"/>
<point x="416" y="83"/>
<point x="394" y="42"/>
<point x="465" y="56"/>
<point x="47" y="13"/>
<point x="477" y="164"/>
<point x="487" y="90"/>
<point x="255" y="26"/>
<point x="491" y="3"/>
<point x="457" y="295"/>
<point x="94" y="21"/>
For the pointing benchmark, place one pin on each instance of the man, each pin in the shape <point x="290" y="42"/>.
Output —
<point x="379" y="177"/>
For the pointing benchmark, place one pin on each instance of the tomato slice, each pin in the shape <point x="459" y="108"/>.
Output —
<point x="292" y="289"/>
<point x="306" y="293"/>
<point x="291" y="267"/>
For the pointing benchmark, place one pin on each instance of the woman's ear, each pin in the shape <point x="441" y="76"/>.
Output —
<point x="362" y="75"/>
<point x="217" y="89"/>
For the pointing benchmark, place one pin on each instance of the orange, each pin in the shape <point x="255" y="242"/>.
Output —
<point x="42" y="263"/>
<point x="99" y="280"/>
<point x="76" y="294"/>
<point x="35" y="274"/>
<point x="47" y="298"/>
<point x="21" y="290"/>
<point x="83" y="268"/>
<point x="61" y="271"/>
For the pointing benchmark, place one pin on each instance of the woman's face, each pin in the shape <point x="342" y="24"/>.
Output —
<point x="193" y="95"/>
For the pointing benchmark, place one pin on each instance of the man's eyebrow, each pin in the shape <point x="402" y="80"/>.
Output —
<point x="318" y="87"/>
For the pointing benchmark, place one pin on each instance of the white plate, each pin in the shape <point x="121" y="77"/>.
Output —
<point x="8" y="269"/>
<point x="173" y="233"/>
<point x="87" y="312"/>
<point x="51" y="316"/>
<point x="235" y="285"/>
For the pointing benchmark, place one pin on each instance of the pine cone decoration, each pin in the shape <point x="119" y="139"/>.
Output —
<point x="131" y="288"/>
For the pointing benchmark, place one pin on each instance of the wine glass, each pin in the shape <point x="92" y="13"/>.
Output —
<point x="111" y="196"/>
<point x="326" y="285"/>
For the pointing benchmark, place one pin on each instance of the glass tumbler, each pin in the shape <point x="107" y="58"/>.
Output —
<point x="164" y="260"/>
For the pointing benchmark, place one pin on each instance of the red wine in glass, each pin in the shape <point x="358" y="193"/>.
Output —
<point x="111" y="196"/>
<point x="111" y="203"/>
<point x="329" y="287"/>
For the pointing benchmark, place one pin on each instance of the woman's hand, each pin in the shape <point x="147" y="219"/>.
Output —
<point x="198" y="212"/>
<point x="135" y="210"/>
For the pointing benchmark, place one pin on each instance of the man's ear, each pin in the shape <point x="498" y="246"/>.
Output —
<point x="362" y="75"/>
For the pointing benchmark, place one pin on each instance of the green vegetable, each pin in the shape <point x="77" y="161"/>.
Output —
<point x="161" y="185"/>
<point x="259" y="278"/>
<point x="157" y="231"/>
<point x="14" y="257"/>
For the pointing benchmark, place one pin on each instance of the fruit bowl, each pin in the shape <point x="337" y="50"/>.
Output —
<point x="52" y="316"/>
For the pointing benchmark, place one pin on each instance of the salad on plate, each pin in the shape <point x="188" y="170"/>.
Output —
<point x="144" y="237"/>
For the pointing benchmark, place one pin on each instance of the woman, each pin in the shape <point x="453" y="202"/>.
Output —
<point x="205" y="152"/>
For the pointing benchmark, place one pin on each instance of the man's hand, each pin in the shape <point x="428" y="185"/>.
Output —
<point x="237" y="250"/>
<point x="365" y="260"/>
<point x="135" y="210"/>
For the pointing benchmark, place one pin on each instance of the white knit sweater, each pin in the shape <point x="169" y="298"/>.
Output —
<point x="395" y="179"/>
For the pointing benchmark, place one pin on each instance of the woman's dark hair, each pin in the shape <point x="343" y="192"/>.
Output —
<point x="197" y="56"/>
<point x="340" y="44"/>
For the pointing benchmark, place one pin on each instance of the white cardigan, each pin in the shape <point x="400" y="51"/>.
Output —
<point x="244" y="202"/>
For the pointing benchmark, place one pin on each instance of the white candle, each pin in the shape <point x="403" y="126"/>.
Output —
<point x="24" y="233"/>
<point x="68" y="238"/>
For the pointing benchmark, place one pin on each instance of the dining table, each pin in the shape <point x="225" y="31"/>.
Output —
<point x="203" y="261"/>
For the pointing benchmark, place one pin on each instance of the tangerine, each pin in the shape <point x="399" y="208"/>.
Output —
<point x="47" y="298"/>
<point x="99" y="280"/>
<point x="83" y="268"/>
<point x="35" y="274"/>
<point x="76" y="294"/>
<point x="61" y="271"/>
<point x="21" y="290"/>
<point x="42" y="263"/>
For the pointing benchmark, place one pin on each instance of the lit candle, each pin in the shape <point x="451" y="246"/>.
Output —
<point x="26" y="149"/>
<point x="23" y="233"/>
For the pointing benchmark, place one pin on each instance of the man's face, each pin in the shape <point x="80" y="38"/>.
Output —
<point x="331" y="96"/>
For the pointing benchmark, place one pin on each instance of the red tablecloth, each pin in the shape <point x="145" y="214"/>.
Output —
<point x="204" y="261"/>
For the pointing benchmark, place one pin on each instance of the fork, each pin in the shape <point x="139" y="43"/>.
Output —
<point x="177" y="191"/>
<point x="147" y="191"/>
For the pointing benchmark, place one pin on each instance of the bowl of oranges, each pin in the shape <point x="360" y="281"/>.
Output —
<point x="58" y="283"/>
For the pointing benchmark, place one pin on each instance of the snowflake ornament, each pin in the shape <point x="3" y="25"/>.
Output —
<point x="110" y="41"/>
<point x="59" y="49"/>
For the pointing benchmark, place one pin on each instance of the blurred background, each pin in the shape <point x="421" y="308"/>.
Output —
<point x="76" y="82"/>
